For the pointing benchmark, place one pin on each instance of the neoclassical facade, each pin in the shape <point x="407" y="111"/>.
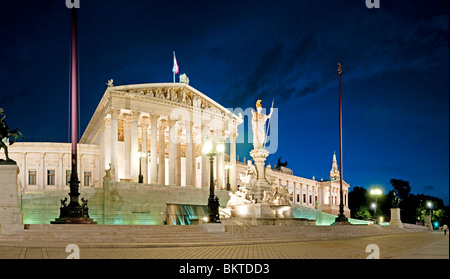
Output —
<point x="156" y="130"/>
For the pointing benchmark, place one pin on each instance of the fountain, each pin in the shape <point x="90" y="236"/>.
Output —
<point x="259" y="197"/>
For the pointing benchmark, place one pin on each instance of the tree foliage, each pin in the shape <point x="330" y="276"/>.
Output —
<point x="413" y="206"/>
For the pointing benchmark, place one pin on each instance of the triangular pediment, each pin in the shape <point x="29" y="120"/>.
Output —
<point x="180" y="94"/>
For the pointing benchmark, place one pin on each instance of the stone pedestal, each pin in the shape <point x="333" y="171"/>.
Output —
<point x="395" y="218"/>
<point x="261" y="184"/>
<point x="11" y="219"/>
<point x="258" y="210"/>
<point x="428" y="223"/>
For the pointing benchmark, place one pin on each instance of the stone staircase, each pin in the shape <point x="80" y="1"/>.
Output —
<point x="88" y="235"/>
<point x="169" y="236"/>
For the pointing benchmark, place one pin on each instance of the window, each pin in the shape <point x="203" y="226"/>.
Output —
<point x="50" y="177"/>
<point x="310" y="199"/>
<point x="304" y="198"/>
<point x="68" y="173"/>
<point x="87" y="178"/>
<point x="298" y="197"/>
<point x="32" y="177"/>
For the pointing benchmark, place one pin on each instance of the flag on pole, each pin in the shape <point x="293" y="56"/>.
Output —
<point x="175" y="69"/>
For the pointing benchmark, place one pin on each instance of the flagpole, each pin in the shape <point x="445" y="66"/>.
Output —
<point x="173" y="70"/>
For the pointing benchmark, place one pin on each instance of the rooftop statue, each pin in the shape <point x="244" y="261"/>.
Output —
<point x="6" y="133"/>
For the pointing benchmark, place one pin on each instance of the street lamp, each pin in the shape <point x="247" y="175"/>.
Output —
<point x="141" y="177"/>
<point x="212" y="149"/>
<point x="375" y="192"/>
<point x="428" y="216"/>
<point x="228" y="167"/>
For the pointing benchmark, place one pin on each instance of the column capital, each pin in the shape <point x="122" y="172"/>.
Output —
<point x="106" y="121"/>
<point x="126" y="117"/>
<point x="145" y="123"/>
<point x="154" y="118"/>
<point x="135" y="115"/>
<point x="171" y="122"/>
<point x="233" y="136"/>
<point x="115" y="112"/>
<point x="162" y="125"/>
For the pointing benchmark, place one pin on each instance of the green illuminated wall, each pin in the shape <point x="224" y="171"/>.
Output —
<point x="120" y="203"/>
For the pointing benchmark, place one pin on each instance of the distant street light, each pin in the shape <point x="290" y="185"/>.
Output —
<point x="375" y="192"/>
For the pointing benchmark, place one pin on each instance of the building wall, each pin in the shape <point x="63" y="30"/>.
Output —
<point x="117" y="203"/>
<point x="50" y="164"/>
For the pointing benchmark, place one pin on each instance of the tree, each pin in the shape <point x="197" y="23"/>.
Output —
<point x="402" y="187"/>
<point x="363" y="214"/>
<point x="356" y="199"/>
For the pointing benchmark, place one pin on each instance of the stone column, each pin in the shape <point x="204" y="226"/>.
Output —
<point x="172" y="152"/>
<point x="221" y="163"/>
<point x="134" y="146"/>
<point x="127" y="145"/>
<point x="162" y="153"/>
<point x="43" y="176"/>
<point x="153" y="148"/>
<point x="24" y="170"/>
<point x="144" y="161"/>
<point x="178" y="153"/>
<point x="105" y="146"/>
<point x="190" y="166"/>
<point x="205" y="161"/>
<point x="60" y="181"/>
<point x="115" y="112"/>
<point x="233" y="184"/>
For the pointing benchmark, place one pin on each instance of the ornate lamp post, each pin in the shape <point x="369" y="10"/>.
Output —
<point x="74" y="212"/>
<point x="141" y="177"/>
<point x="212" y="149"/>
<point x="228" y="167"/>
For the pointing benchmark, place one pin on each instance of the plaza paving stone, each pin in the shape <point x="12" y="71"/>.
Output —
<point x="417" y="245"/>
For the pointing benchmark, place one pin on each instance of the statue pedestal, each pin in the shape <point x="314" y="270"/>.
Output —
<point x="274" y="205"/>
<point x="258" y="210"/>
<point x="395" y="218"/>
<point x="428" y="223"/>
<point x="261" y="184"/>
<point x="11" y="219"/>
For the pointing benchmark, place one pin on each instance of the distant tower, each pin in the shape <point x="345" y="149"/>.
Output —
<point x="334" y="173"/>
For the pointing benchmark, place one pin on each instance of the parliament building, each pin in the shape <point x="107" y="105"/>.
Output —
<point x="140" y="161"/>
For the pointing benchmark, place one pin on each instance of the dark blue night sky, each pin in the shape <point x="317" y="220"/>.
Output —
<point x="395" y="84"/>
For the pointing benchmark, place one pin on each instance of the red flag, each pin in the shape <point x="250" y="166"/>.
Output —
<point x="175" y="69"/>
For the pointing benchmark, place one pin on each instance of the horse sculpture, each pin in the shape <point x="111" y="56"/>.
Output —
<point x="6" y="133"/>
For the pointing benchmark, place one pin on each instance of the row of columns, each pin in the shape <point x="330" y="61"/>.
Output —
<point x="310" y="190"/>
<point x="158" y="128"/>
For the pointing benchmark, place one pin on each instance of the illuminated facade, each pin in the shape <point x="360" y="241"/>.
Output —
<point x="157" y="130"/>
